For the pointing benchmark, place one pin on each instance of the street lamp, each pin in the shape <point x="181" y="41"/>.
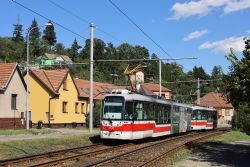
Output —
<point x="27" y="78"/>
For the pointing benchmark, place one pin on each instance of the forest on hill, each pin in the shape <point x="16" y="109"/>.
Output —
<point x="13" y="49"/>
<point x="234" y="85"/>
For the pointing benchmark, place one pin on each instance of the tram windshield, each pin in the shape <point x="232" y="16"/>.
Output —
<point x="113" y="107"/>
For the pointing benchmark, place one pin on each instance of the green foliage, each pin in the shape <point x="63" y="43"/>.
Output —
<point x="96" y="115"/>
<point x="34" y="31"/>
<point x="17" y="33"/>
<point x="73" y="51"/>
<point x="237" y="87"/>
<point x="50" y="34"/>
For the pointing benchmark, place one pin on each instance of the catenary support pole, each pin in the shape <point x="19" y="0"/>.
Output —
<point x="160" y="77"/>
<point x="27" y="82"/>
<point x="91" y="78"/>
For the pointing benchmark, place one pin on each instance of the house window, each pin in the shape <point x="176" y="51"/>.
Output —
<point x="82" y="108"/>
<point x="64" y="107"/>
<point x="76" y="108"/>
<point x="227" y="112"/>
<point x="13" y="101"/>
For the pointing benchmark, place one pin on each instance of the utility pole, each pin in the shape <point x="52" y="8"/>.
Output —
<point x="91" y="78"/>
<point x="160" y="77"/>
<point x="198" y="92"/>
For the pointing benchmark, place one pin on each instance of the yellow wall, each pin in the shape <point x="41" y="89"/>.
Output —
<point x="39" y="100"/>
<point x="39" y="103"/>
<point x="71" y="97"/>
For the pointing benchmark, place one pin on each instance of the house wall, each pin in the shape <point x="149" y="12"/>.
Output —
<point x="39" y="104"/>
<point x="225" y="115"/>
<point x="71" y="97"/>
<point x="167" y="95"/>
<point x="15" y="87"/>
<point x="39" y="100"/>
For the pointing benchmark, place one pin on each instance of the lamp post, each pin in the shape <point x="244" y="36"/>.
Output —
<point x="27" y="78"/>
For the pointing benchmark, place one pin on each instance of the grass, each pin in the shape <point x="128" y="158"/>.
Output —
<point x="19" y="148"/>
<point x="222" y="139"/>
<point x="231" y="137"/>
<point x="23" y="131"/>
<point x="179" y="156"/>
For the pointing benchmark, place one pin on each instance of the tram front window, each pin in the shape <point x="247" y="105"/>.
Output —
<point x="113" y="107"/>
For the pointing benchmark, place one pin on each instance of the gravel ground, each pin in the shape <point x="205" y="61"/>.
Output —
<point x="223" y="155"/>
<point x="60" y="133"/>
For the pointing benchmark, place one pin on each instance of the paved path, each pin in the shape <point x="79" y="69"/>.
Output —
<point x="60" y="133"/>
<point x="223" y="155"/>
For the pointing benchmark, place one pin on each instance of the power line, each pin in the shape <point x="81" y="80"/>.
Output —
<point x="46" y="18"/>
<point x="133" y="22"/>
<point x="207" y="80"/>
<point x="82" y="19"/>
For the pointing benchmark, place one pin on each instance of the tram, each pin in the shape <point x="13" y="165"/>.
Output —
<point x="130" y="116"/>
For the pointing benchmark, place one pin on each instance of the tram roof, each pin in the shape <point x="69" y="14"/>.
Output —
<point x="133" y="96"/>
<point x="202" y="108"/>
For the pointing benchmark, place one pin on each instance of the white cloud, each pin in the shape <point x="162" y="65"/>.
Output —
<point x="195" y="34"/>
<point x="234" y="6"/>
<point x="204" y="7"/>
<point x="223" y="46"/>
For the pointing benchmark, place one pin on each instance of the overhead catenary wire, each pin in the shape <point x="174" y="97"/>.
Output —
<point x="46" y="18"/>
<point x="135" y="24"/>
<point x="82" y="19"/>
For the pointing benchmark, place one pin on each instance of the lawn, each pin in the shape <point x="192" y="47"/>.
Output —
<point x="19" y="148"/>
<point x="214" y="142"/>
<point x="231" y="137"/>
<point x="23" y="131"/>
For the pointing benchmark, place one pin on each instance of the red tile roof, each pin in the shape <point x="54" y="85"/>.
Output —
<point x="6" y="71"/>
<point x="216" y="100"/>
<point x="156" y="87"/>
<point x="51" y="79"/>
<point x="99" y="88"/>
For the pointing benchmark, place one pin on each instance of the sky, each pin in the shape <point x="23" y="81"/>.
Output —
<point x="205" y="29"/>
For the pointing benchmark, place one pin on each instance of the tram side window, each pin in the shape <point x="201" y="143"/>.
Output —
<point x="167" y="114"/>
<point x="204" y="115"/>
<point x="198" y="116"/>
<point x="161" y="115"/>
<point x="138" y="110"/>
<point x="156" y="111"/>
<point x="146" y="113"/>
<point x="128" y="115"/>
<point x="210" y="117"/>
<point x="151" y="110"/>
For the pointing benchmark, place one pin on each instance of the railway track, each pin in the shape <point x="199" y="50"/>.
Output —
<point x="147" y="155"/>
<point x="61" y="156"/>
<point x="142" y="154"/>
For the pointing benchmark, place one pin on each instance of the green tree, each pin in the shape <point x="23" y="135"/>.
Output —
<point x="73" y="51"/>
<point x="35" y="32"/>
<point x="60" y="49"/>
<point x="34" y="38"/>
<point x="217" y="76"/>
<point x="237" y="86"/>
<point x="50" y="34"/>
<point x="17" y="33"/>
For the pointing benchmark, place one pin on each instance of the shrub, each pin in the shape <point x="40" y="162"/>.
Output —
<point x="96" y="115"/>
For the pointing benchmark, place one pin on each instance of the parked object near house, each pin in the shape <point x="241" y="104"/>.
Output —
<point x="50" y="59"/>
<point x="12" y="97"/>
<point x="218" y="101"/>
<point x="54" y="99"/>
